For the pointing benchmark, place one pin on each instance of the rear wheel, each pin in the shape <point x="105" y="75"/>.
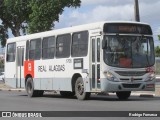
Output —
<point x="67" y="93"/>
<point x="124" y="95"/>
<point x="79" y="90"/>
<point x="30" y="89"/>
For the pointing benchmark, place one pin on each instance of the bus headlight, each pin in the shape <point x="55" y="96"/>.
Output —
<point x="150" y="77"/>
<point x="110" y="76"/>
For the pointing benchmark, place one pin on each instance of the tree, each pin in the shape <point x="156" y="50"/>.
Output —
<point x="46" y="12"/>
<point x="3" y="34"/>
<point x="157" y="51"/>
<point x="31" y="15"/>
<point x="13" y="14"/>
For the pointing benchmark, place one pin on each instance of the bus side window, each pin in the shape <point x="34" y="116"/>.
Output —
<point x="80" y="44"/>
<point x="35" y="49"/>
<point x="48" y="48"/>
<point x="11" y="50"/>
<point x="27" y="49"/>
<point x="63" y="46"/>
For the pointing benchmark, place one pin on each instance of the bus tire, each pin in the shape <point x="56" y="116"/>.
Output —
<point x="30" y="88"/>
<point x="79" y="90"/>
<point x="67" y="93"/>
<point x="124" y="95"/>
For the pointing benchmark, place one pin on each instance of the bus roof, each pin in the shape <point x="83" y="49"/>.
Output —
<point x="91" y="26"/>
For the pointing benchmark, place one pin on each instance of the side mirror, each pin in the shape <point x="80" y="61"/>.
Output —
<point x="104" y="44"/>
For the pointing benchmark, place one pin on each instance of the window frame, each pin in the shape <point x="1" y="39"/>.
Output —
<point x="79" y="44"/>
<point x="54" y="39"/>
<point x="14" y="52"/>
<point x="37" y="39"/>
<point x="64" y="44"/>
<point x="27" y="49"/>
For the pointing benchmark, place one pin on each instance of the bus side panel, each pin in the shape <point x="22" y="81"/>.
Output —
<point x="10" y="71"/>
<point x="10" y="74"/>
<point x="63" y="73"/>
<point x="52" y="74"/>
<point x="85" y="76"/>
<point x="46" y="83"/>
<point x="37" y="83"/>
<point x="56" y="74"/>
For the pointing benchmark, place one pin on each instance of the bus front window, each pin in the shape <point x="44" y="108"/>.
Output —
<point x="129" y="51"/>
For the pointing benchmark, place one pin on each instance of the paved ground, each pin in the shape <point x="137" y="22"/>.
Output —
<point x="19" y="101"/>
<point x="3" y="86"/>
<point x="14" y="100"/>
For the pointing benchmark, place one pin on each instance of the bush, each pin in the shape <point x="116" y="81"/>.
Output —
<point x="157" y="67"/>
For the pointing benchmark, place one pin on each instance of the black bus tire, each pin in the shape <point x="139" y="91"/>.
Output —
<point x="124" y="95"/>
<point x="30" y="89"/>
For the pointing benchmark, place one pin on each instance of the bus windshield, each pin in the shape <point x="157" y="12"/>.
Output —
<point x="129" y="51"/>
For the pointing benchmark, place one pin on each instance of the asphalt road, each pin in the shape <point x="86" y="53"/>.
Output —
<point x="19" y="101"/>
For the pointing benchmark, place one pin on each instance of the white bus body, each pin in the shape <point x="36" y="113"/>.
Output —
<point x="81" y="67"/>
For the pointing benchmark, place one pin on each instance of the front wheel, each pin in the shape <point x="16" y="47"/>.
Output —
<point x="124" y="95"/>
<point x="79" y="90"/>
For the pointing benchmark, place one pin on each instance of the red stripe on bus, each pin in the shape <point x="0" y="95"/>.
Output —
<point x="29" y="68"/>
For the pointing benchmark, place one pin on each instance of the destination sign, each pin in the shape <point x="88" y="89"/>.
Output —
<point x="127" y="28"/>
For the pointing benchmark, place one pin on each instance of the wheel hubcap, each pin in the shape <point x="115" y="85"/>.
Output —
<point x="80" y="88"/>
<point x="29" y="87"/>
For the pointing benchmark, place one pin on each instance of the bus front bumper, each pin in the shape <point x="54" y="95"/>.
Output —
<point x="110" y="86"/>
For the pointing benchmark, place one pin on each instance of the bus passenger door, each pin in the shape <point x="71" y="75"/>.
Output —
<point x="20" y="67"/>
<point x="95" y="64"/>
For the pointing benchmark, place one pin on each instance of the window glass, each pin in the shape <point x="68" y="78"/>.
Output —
<point x="11" y="50"/>
<point x="35" y="49"/>
<point x="27" y="49"/>
<point x="63" y="46"/>
<point x="48" y="48"/>
<point x="20" y="56"/>
<point x="129" y="51"/>
<point x="93" y="50"/>
<point x="80" y="44"/>
<point x="98" y="50"/>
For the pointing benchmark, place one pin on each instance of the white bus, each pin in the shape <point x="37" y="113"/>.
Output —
<point x="99" y="57"/>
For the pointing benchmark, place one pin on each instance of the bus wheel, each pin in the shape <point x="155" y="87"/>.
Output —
<point x="67" y="93"/>
<point x="30" y="89"/>
<point x="124" y="95"/>
<point x="79" y="90"/>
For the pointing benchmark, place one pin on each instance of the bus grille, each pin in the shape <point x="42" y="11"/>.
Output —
<point x="127" y="79"/>
<point x="131" y="73"/>
<point x="131" y="85"/>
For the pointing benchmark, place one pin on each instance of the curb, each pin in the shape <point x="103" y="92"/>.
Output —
<point x="19" y="90"/>
<point x="147" y="96"/>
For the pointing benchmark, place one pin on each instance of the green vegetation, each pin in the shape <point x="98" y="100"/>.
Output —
<point x="157" y="68"/>
<point x="1" y="65"/>
<point x="157" y="51"/>
<point x="22" y="16"/>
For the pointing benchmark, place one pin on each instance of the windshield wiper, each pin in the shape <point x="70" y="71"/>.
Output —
<point x="147" y="55"/>
<point x="147" y="60"/>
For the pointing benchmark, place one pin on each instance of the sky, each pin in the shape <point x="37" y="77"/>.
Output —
<point x="112" y="10"/>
